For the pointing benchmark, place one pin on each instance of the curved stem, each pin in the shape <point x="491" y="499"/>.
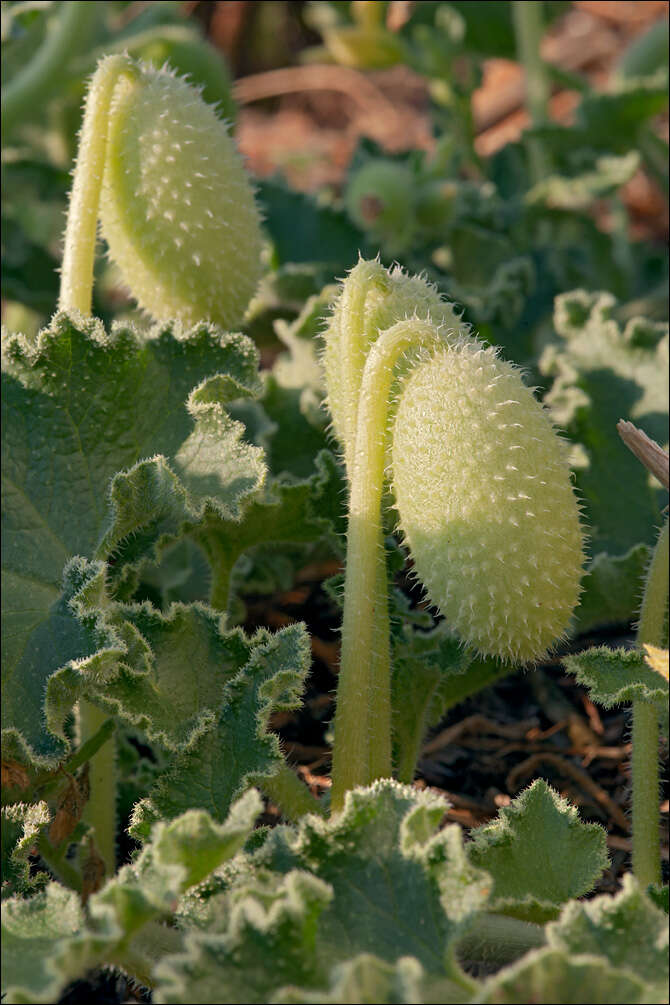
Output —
<point x="100" y="810"/>
<point x="379" y="711"/>
<point x="82" y="218"/>
<point x="66" y="35"/>
<point x="645" y="770"/>
<point x="496" y="939"/>
<point x="362" y="602"/>
<point x="290" y="794"/>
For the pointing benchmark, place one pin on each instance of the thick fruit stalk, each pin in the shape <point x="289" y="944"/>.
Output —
<point x="645" y="772"/>
<point x="159" y="168"/>
<point x="177" y="210"/>
<point x="482" y="488"/>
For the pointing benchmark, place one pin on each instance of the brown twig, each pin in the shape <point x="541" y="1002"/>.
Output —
<point x="647" y="451"/>
<point x="319" y="77"/>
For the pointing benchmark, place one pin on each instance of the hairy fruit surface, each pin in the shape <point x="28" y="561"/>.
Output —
<point x="177" y="208"/>
<point x="485" y="500"/>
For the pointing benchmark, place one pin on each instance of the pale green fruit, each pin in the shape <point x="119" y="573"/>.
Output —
<point x="485" y="500"/>
<point x="372" y="299"/>
<point x="177" y="208"/>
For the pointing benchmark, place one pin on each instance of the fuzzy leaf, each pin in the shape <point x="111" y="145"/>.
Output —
<point x="539" y="854"/>
<point x="78" y="405"/>
<point x="627" y="929"/>
<point x="169" y="684"/>
<point x="296" y="919"/>
<point x="49" y="943"/>
<point x="268" y="941"/>
<point x="547" y="976"/>
<point x="365" y="980"/>
<point x="619" y="677"/>
<point x="601" y="374"/>
<point x="31" y="930"/>
<point x="399" y="888"/>
<point x="22" y="824"/>
<point x="235" y="748"/>
<point x="578" y="192"/>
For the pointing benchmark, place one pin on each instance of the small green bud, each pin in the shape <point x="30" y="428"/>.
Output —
<point x="485" y="500"/>
<point x="379" y="199"/>
<point x="177" y="208"/>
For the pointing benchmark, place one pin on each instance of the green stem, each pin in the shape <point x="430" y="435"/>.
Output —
<point x="363" y="607"/>
<point x="528" y="28"/>
<point x="82" y="219"/>
<point x="497" y="940"/>
<point x="645" y="770"/>
<point x="57" y="862"/>
<point x="379" y="712"/>
<point x="290" y="794"/>
<point x="67" y="34"/>
<point x="100" y="810"/>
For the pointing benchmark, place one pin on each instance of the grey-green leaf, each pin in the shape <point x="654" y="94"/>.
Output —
<point x="539" y="854"/>
<point x="619" y="677"/>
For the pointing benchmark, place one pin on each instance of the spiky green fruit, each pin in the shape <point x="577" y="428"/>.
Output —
<point x="485" y="500"/>
<point x="371" y="300"/>
<point x="177" y="208"/>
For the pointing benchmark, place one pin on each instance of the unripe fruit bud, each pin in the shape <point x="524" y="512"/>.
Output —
<point x="177" y="208"/>
<point x="371" y="300"/>
<point x="380" y="200"/>
<point x="485" y="500"/>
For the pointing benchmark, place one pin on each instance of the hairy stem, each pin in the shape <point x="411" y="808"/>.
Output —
<point x="100" y="810"/>
<point x="81" y="231"/>
<point x="528" y="29"/>
<point x="379" y="711"/>
<point x="645" y="771"/>
<point x="498" y="940"/>
<point x="67" y="33"/>
<point x="362" y="602"/>
<point x="57" y="862"/>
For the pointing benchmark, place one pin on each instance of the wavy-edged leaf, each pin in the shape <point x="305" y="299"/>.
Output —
<point x="547" y="976"/>
<point x="32" y="930"/>
<point x="169" y="683"/>
<point x="50" y="943"/>
<point x="608" y="173"/>
<point x="628" y="930"/>
<point x="22" y="824"/>
<point x="400" y="887"/>
<point x="79" y="404"/>
<point x="234" y="748"/>
<point x="269" y="940"/>
<point x="539" y="854"/>
<point x="601" y="374"/>
<point x="366" y="980"/>
<point x="619" y="677"/>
